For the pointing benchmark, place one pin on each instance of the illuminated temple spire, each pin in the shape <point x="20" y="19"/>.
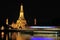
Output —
<point x="21" y="22"/>
<point x="7" y="21"/>
<point x="21" y="12"/>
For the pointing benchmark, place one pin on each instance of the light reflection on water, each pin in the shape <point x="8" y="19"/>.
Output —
<point x="2" y="34"/>
<point x="19" y="36"/>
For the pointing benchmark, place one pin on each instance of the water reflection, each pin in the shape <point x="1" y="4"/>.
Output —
<point x="14" y="36"/>
<point x="20" y="36"/>
<point x="2" y="34"/>
<point x="17" y="36"/>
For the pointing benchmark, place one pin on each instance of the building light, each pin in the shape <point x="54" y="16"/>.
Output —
<point x="2" y="28"/>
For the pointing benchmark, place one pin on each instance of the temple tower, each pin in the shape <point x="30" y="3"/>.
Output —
<point x="21" y="22"/>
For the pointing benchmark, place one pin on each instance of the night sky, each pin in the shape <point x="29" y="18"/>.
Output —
<point x="32" y="9"/>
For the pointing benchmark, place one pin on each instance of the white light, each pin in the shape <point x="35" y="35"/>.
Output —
<point x="9" y="28"/>
<point x="42" y="27"/>
<point x="2" y="28"/>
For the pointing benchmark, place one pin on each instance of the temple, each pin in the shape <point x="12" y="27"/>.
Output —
<point x="21" y="22"/>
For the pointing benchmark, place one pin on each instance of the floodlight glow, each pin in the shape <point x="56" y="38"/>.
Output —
<point x="42" y="26"/>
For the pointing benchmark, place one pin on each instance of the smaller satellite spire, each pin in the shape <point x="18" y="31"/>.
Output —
<point x="7" y="21"/>
<point x="35" y="21"/>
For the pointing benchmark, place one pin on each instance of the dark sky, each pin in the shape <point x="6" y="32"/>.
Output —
<point x="32" y="9"/>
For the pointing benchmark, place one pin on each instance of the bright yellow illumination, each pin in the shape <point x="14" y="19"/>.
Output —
<point x="21" y="22"/>
<point x="14" y="25"/>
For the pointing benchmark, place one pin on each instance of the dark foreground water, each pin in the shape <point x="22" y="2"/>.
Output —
<point x="27" y="36"/>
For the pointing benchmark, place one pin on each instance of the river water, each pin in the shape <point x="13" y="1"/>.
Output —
<point x="22" y="36"/>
